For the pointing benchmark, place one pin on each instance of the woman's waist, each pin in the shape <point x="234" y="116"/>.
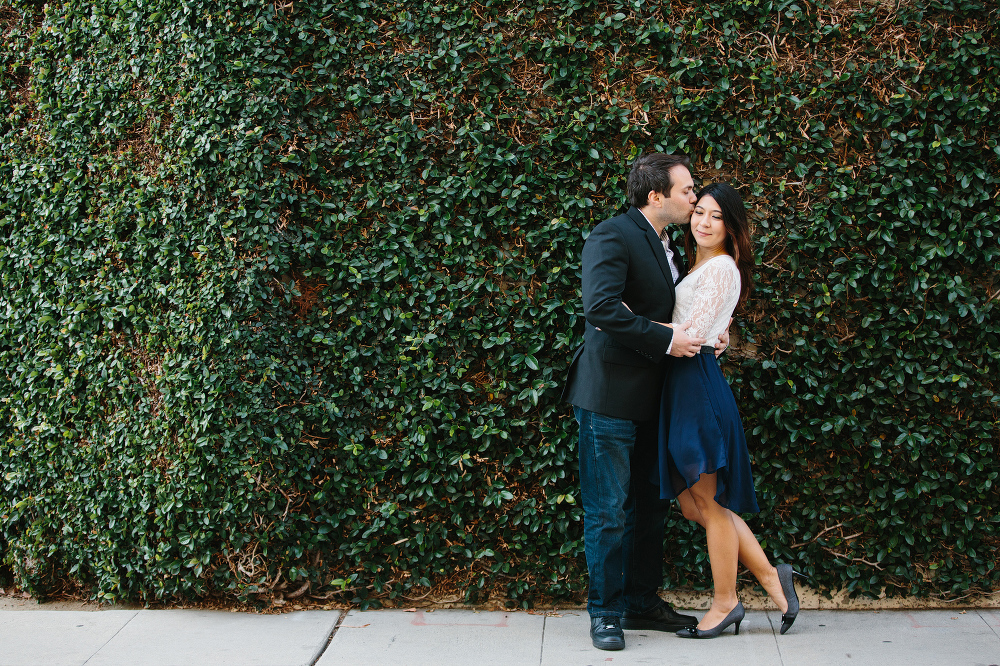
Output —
<point x="711" y="339"/>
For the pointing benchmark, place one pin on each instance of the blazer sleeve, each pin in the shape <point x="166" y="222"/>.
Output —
<point x="605" y="270"/>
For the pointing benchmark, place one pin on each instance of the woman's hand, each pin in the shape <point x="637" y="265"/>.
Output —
<point x="723" y="342"/>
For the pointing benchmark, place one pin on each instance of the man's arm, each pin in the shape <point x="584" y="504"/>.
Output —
<point x="684" y="344"/>
<point x="605" y="269"/>
<point x="681" y="344"/>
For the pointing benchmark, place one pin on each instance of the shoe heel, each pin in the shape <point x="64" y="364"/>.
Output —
<point x="737" y="628"/>
<point x="799" y="575"/>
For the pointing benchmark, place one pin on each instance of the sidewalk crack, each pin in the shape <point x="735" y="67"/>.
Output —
<point x="980" y="614"/>
<point x="774" y="636"/>
<point x="98" y="650"/>
<point x="541" y="648"/>
<point x="340" y="621"/>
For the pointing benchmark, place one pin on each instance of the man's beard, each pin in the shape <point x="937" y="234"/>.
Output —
<point x="682" y="218"/>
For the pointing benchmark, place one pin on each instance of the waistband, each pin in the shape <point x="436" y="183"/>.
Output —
<point x="705" y="349"/>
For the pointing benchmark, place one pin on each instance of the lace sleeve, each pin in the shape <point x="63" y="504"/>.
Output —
<point x="714" y="294"/>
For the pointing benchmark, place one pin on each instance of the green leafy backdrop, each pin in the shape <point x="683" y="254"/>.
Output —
<point x="289" y="289"/>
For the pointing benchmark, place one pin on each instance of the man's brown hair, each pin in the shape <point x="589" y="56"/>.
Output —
<point x="651" y="173"/>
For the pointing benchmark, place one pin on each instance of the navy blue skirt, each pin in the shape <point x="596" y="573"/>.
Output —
<point x="701" y="433"/>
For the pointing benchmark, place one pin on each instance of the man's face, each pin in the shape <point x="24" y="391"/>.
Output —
<point x="678" y="206"/>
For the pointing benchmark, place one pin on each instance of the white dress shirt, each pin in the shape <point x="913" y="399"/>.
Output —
<point x="665" y="240"/>
<point x="674" y="271"/>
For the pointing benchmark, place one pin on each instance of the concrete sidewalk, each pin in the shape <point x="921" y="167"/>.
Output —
<point x="445" y="637"/>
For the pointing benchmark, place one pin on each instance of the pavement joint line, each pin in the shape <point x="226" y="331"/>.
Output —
<point x="541" y="648"/>
<point x="774" y="637"/>
<point x="987" y="622"/>
<point x="329" y="639"/>
<point x="97" y="651"/>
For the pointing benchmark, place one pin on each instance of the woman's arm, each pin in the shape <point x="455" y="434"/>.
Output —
<point x="719" y="281"/>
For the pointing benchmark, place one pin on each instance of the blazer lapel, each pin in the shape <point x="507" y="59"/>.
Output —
<point x="654" y="244"/>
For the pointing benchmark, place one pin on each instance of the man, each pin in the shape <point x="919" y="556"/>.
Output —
<point x="630" y="268"/>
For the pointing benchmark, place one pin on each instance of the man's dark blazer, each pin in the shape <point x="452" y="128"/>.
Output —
<point x="620" y="368"/>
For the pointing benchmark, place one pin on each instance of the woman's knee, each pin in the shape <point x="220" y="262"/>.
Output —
<point x="690" y="511"/>
<point x="703" y="492"/>
<point x="704" y="502"/>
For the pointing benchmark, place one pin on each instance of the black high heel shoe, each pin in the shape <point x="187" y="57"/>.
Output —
<point x="735" y="617"/>
<point x="786" y="576"/>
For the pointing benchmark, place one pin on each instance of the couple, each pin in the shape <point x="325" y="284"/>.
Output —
<point x="654" y="428"/>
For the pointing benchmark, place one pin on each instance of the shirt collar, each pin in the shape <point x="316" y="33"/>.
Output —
<point x="662" y="235"/>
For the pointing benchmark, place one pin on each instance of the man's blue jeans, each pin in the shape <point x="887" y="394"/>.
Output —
<point x="623" y="513"/>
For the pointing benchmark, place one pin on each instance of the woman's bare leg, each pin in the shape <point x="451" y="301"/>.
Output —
<point x="723" y="550"/>
<point x="750" y="553"/>
<point x="753" y="558"/>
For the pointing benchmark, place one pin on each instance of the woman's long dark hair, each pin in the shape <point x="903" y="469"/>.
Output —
<point x="734" y="217"/>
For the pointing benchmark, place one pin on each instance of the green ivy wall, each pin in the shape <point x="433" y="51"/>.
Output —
<point x="289" y="289"/>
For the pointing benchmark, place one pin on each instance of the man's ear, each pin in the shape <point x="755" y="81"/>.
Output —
<point x="653" y="198"/>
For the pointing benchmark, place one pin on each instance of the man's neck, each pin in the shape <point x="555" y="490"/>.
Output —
<point x="647" y="213"/>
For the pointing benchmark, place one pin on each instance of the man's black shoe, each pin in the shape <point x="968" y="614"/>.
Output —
<point x="661" y="618"/>
<point x="606" y="632"/>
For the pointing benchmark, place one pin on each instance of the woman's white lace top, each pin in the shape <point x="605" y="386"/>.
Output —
<point x="707" y="296"/>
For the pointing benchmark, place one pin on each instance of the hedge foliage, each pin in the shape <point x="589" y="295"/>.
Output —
<point x="289" y="289"/>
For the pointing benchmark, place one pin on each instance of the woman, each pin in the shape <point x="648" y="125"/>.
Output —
<point x="704" y="461"/>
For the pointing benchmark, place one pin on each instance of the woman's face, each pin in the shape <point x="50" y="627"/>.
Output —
<point x="707" y="225"/>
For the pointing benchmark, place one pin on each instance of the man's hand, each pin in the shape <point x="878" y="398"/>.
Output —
<point x="723" y="342"/>
<point x="684" y="345"/>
